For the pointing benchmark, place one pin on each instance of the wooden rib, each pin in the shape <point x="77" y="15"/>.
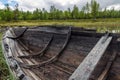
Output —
<point x="54" y="58"/>
<point x="17" y="51"/>
<point x="103" y="76"/>
<point x="41" y="53"/>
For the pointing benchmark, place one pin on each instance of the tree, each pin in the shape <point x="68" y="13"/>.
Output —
<point x="66" y="14"/>
<point x="87" y="7"/>
<point x="45" y="14"/>
<point x="75" y="12"/>
<point x="8" y="13"/>
<point x="52" y="12"/>
<point x="59" y="14"/>
<point x="16" y="12"/>
<point x="94" y="9"/>
<point x="90" y="10"/>
<point x="87" y="10"/>
<point x="36" y="14"/>
<point x="69" y="13"/>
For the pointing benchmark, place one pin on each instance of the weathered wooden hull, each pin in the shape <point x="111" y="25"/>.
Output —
<point x="54" y="53"/>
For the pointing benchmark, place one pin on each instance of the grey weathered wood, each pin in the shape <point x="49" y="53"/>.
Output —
<point x="104" y="74"/>
<point x="13" y="52"/>
<point x="85" y="69"/>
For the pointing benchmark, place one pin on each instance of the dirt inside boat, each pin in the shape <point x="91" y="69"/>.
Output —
<point x="62" y="53"/>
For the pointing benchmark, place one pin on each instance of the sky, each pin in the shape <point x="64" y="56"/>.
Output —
<point x="60" y="4"/>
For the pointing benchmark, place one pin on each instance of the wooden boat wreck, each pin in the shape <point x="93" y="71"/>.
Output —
<point x="62" y="53"/>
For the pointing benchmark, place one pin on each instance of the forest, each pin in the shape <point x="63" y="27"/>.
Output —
<point x="89" y="11"/>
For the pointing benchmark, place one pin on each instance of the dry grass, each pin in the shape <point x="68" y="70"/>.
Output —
<point x="99" y="24"/>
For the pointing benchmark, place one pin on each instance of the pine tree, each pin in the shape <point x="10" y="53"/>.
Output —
<point x="75" y="12"/>
<point x="94" y="9"/>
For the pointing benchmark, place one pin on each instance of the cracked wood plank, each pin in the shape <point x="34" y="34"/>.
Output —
<point x="85" y="69"/>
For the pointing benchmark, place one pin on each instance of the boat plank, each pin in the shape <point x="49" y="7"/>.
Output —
<point x="85" y="69"/>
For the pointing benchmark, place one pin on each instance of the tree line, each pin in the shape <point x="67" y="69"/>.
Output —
<point x="89" y="11"/>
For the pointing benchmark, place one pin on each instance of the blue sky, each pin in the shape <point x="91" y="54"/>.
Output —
<point x="61" y="4"/>
<point x="4" y="1"/>
<point x="10" y="2"/>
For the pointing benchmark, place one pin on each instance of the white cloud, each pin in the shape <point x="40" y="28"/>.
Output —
<point x="61" y="4"/>
<point x="32" y="4"/>
<point x="115" y="7"/>
<point x="65" y="2"/>
<point x="1" y="5"/>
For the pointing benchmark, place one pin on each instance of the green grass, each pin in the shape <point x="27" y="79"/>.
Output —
<point x="99" y="24"/>
<point x="4" y="71"/>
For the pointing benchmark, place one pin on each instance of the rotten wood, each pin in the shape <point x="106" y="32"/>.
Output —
<point x="104" y="74"/>
<point x="85" y="69"/>
<point x="81" y="42"/>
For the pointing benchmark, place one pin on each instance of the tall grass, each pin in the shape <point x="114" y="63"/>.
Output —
<point x="99" y="24"/>
<point x="4" y="71"/>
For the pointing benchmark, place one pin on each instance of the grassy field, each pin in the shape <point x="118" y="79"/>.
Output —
<point x="99" y="24"/>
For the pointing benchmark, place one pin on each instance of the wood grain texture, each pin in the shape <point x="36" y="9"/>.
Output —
<point x="85" y="69"/>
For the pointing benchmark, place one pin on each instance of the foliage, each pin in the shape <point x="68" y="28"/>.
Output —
<point x="94" y="9"/>
<point x="89" y="11"/>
